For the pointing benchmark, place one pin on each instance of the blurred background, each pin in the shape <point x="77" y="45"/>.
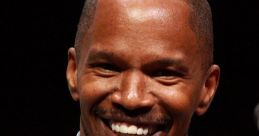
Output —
<point x="35" y="39"/>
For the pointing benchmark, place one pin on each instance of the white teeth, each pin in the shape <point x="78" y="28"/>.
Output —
<point x="145" y="131"/>
<point x="113" y="127"/>
<point x="140" y="131"/>
<point x="117" y="128"/>
<point x="132" y="129"/>
<point x="128" y="129"/>
<point x="124" y="129"/>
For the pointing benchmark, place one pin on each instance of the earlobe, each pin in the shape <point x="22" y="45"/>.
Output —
<point x="209" y="89"/>
<point x="72" y="74"/>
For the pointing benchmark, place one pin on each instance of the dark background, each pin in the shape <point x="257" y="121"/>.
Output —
<point x="37" y="34"/>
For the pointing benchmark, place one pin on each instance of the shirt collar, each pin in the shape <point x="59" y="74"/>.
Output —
<point x="78" y="133"/>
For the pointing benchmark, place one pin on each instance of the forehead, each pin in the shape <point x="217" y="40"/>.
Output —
<point x="114" y="16"/>
<point x="167" y="17"/>
<point x="129" y="25"/>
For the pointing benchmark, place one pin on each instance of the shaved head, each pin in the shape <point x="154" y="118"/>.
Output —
<point x="200" y="22"/>
<point x="142" y="66"/>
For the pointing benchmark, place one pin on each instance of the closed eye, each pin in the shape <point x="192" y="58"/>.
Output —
<point x="166" y="73"/>
<point x="167" y="77"/>
<point x="105" y="69"/>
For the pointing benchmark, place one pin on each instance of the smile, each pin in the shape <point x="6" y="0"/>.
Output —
<point x="128" y="129"/>
<point x="120" y="124"/>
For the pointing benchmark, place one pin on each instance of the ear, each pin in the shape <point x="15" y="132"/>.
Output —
<point x="209" y="88"/>
<point x="72" y="74"/>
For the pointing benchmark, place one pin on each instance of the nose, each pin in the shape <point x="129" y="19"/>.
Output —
<point x="132" y="94"/>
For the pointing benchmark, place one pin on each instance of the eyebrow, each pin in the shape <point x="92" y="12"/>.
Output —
<point x="105" y="56"/>
<point x="99" y="54"/>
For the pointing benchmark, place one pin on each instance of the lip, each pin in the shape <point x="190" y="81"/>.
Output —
<point x="154" y="129"/>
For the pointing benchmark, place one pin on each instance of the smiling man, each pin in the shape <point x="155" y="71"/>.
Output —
<point x="142" y="67"/>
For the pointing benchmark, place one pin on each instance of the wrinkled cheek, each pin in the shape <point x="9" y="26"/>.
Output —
<point x="89" y="124"/>
<point x="88" y="118"/>
<point x="91" y="92"/>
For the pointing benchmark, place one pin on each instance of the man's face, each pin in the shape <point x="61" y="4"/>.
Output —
<point x="140" y="70"/>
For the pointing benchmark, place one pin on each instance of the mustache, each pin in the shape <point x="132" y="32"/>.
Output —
<point x="141" y="116"/>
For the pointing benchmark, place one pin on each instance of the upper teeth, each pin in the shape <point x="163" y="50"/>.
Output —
<point x="128" y="129"/>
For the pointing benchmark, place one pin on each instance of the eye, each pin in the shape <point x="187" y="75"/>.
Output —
<point x="166" y="74"/>
<point x="105" y="69"/>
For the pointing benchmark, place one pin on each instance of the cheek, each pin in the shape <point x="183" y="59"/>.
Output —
<point x="93" y="90"/>
<point x="182" y="100"/>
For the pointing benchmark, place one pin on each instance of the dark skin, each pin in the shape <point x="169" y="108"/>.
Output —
<point x="140" y="64"/>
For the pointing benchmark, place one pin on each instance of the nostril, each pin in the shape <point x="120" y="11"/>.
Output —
<point x="132" y="112"/>
<point x="134" y="105"/>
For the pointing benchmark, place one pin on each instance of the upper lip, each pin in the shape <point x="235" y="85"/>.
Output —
<point x="134" y="121"/>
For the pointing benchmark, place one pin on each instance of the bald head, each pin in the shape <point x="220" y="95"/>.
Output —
<point x="199" y="18"/>
<point x="151" y="58"/>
